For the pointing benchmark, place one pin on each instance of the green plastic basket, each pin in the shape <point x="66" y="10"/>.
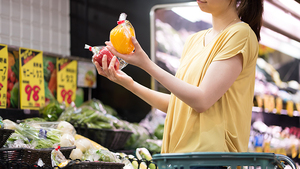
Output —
<point x="232" y="160"/>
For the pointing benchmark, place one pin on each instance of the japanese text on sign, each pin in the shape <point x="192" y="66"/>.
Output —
<point x="66" y="80"/>
<point x="32" y="91"/>
<point x="3" y="75"/>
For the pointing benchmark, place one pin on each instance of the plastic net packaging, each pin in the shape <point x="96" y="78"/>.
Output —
<point x="99" y="51"/>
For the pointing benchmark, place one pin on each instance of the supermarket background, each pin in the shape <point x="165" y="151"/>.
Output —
<point x="54" y="32"/>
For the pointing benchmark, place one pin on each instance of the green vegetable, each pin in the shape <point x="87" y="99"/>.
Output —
<point x="54" y="135"/>
<point x="48" y="93"/>
<point x="14" y="98"/>
<point x="52" y="111"/>
<point x="159" y="131"/>
<point x="34" y="119"/>
<point x="110" y="110"/>
<point x="27" y="131"/>
<point x="154" y="146"/>
<point x="17" y="136"/>
<point x="106" y="156"/>
<point x="79" y="97"/>
<point x="42" y="143"/>
<point x="138" y="137"/>
<point x="95" y="104"/>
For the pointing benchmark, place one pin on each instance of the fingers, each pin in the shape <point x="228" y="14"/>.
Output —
<point x="135" y="43"/>
<point x="111" y="48"/>
<point x="99" y="69"/>
<point x="113" y="65"/>
<point x="104" y="62"/>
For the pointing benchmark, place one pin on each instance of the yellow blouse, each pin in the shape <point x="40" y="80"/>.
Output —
<point x="224" y="127"/>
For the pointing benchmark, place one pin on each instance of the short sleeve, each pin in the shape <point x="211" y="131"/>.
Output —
<point x="234" y="41"/>
<point x="189" y="43"/>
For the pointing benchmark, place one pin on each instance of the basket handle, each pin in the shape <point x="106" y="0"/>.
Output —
<point x="285" y="159"/>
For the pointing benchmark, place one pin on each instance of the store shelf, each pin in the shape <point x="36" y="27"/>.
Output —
<point x="274" y="111"/>
<point x="18" y="114"/>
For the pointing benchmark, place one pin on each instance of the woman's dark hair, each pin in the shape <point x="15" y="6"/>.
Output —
<point x="250" y="11"/>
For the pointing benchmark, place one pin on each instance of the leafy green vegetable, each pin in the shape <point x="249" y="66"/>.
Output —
<point x="27" y="131"/>
<point x="154" y="146"/>
<point x="14" y="98"/>
<point x="138" y="137"/>
<point x="34" y="119"/>
<point x="159" y="131"/>
<point x="106" y="156"/>
<point x="94" y="104"/>
<point x="42" y="143"/>
<point x="54" y="135"/>
<point x="48" y="93"/>
<point x="110" y="110"/>
<point x="17" y="136"/>
<point x="52" y="111"/>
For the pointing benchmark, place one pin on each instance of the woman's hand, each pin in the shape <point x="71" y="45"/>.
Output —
<point x="138" y="58"/>
<point x="112" y="74"/>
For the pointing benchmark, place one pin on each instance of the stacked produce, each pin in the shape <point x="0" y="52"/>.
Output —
<point x="37" y="134"/>
<point x="274" y="139"/>
<point x="57" y="125"/>
<point x="272" y="93"/>
<point x="94" y="114"/>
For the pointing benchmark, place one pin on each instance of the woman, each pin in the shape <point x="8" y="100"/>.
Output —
<point x="210" y="106"/>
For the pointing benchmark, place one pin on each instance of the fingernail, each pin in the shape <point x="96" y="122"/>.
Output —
<point x="133" y="39"/>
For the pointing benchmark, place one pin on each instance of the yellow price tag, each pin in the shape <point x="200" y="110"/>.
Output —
<point x="298" y="107"/>
<point x="259" y="101"/>
<point x="258" y="149"/>
<point x="267" y="103"/>
<point x="266" y="148"/>
<point x="290" y="108"/>
<point x="278" y="105"/>
<point x="293" y="151"/>
<point x="66" y="80"/>
<point x="32" y="89"/>
<point x="3" y="75"/>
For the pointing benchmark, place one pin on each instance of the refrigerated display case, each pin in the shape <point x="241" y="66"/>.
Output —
<point x="171" y="24"/>
<point x="278" y="64"/>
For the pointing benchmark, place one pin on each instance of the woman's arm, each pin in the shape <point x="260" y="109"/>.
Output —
<point x="218" y="78"/>
<point x="155" y="99"/>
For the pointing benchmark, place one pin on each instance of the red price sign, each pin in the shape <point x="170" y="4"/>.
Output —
<point x="67" y="95"/>
<point x="35" y="90"/>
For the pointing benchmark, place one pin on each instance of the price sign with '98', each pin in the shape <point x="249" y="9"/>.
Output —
<point x="66" y="80"/>
<point x="3" y="75"/>
<point x="32" y="90"/>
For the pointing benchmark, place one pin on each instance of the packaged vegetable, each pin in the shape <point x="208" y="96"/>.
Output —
<point x="106" y="156"/>
<point x="94" y="144"/>
<point x="76" y="154"/>
<point x="120" y="36"/>
<point x="66" y="128"/>
<point x="1" y="123"/>
<point x="52" y="111"/>
<point x="67" y="140"/>
<point x="83" y="144"/>
<point x="57" y="158"/>
<point x="8" y="124"/>
<point x="99" y="51"/>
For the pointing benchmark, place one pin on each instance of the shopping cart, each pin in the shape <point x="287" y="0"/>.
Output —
<point x="232" y="160"/>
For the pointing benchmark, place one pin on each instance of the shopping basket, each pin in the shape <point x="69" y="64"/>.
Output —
<point x="232" y="160"/>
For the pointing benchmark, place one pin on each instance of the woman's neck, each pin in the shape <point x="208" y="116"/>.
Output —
<point x="223" y="20"/>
